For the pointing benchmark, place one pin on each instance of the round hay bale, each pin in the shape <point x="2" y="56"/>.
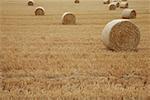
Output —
<point x="121" y="35"/>
<point x="124" y="5"/>
<point x="112" y="6"/>
<point x="76" y="1"/>
<point x="114" y="0"/>
<point x="68" y="18"/>
<point x="117" y="4"/>
<point x="39" y="11"/>
<point x="128" y="14"/>
<point x="106" y="1"/>
<point x="30" y="2"/>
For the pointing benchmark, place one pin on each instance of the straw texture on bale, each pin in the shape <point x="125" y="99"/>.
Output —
<point x="76" y="1"/>
<point x="106" y="1"/>
<point x="112" y="6"/>
<point x="128" y="14"/>
<point x="30" y="3"/>
<point x="121" y="35"/>
<point x="39" y="11"/>
<point x="68" y="18"/>
<point x="123" y="4"/>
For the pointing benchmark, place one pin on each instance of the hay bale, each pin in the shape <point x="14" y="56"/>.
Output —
<point x="106" y="1"/>
<point x="30" y="2"/>
<point x="76" y="1"/>
<point x="129" y="14"/>
<point x="121" y="35"/>
<point x="124" y="5"/>
<point x="117" y="4"/>
<point x="114" y="0"/>
<point x="68" y="18"/>
<point x="112" y="6"/>
<point x="39" y="11"/>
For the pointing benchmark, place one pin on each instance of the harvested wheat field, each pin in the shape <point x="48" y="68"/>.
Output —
<point x="41" y="59"/>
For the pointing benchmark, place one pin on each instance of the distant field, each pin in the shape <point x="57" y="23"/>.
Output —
<point x="40" y="59"/>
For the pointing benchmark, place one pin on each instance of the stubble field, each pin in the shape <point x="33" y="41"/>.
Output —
<point x="40" y="59"/>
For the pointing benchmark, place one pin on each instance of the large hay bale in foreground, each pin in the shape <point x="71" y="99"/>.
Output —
<point x="124" y="4"/>
<point x="76" y="1"/>
<point x="39" y="11"/>
<point x="121" y="35"/>
<point x="30" y="2"/>
<point x="68" y="18"/>
<point x="106" y="1"/>
<point x="128" y="14"/>
<point x="112" y="6"/>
